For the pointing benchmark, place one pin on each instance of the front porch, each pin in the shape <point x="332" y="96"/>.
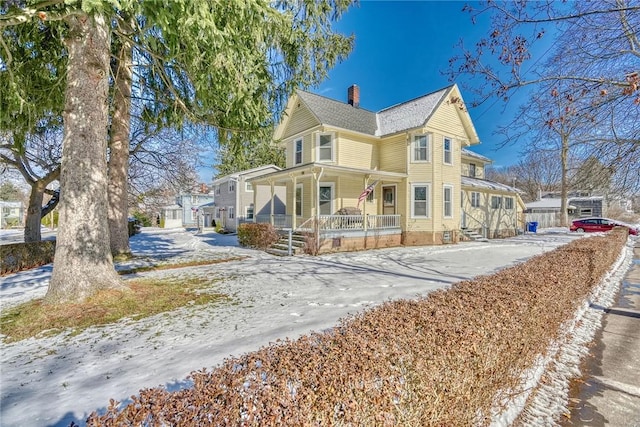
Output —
<point x="332" y="233"/>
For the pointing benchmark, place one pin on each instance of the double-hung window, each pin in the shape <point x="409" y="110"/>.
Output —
<point x="475" y="199"/>
<point x="508" y="202"/>
<point x="447" y="148"/>
<point x="472" y="170"/>
<point x="420" y="200"/>
<point x="248" y="187"/>
<point x="447" y="198"/>
<point x="420" y="148"/>
<point x="232" y="186"/>
<point x="325" y="147"/>
<point x="297" y="151"/>
<point x="248" y="213"/>
<point x="496" y="202"/>
<point x="231" y="212"/>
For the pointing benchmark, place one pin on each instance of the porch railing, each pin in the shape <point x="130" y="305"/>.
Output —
<point x="335" y="222"/>
<point x="278" y="220"/>
<point x="356" y="222"/>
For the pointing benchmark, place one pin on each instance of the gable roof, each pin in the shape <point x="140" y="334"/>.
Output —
<point x="339" y="114"/>
<point x="398" y="118"/>
<point x="410" y="114"/>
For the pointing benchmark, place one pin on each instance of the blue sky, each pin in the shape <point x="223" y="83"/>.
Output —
<point x="401" y="49"/>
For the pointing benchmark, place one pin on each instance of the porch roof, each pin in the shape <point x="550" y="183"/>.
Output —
<point x="488" y="185"/>
<point x="306" y="170"/>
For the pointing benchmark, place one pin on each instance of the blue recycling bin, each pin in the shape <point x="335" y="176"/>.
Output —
<point x="532" y="226"/>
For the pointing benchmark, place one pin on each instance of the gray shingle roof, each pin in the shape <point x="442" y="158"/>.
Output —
<point x="340" y="114"/>
<point x="400" y="117"/>
<point x="410" y="114"/>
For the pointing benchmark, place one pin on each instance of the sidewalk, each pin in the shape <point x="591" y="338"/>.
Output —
<point x="610" y="394"/>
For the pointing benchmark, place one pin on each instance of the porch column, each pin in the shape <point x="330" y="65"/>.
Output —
<point x="271" y="219"/>
<point x="364" y="205"/>
<point x="294" y="214"/>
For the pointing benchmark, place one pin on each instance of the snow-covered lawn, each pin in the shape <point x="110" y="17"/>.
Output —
<point x="54" y="381"/>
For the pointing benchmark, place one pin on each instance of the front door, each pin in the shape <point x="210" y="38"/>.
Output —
<point x="389" y="200"/>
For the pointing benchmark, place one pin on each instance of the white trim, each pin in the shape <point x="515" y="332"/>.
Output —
<point x="301" y="200"/>
<point x="444" y="201"/>
<point x="427" y="137"/>
<point x="428" y="199"/>
<point x="450" y="151"/>
<point x="295" y="151"/>
<point x="332" y="185"/>
<point x="332" y="135"/>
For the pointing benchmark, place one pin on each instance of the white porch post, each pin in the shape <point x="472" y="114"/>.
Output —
<point x="271" y="219"/>
<point x="294" y="214"/>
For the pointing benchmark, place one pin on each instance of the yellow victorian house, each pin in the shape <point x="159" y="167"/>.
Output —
<point x="400" y="176"/>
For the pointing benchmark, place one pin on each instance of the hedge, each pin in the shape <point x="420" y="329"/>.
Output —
<point x="440" y="360"/>
<point x="22" y="256"/>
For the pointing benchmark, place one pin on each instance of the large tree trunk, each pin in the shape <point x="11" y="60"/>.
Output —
<point x="83" y="262"/>
<point x="119" y="154"/>
<point x="34" y="214"/>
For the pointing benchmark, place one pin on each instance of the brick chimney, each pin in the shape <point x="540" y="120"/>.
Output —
<point x="353" y="95"/>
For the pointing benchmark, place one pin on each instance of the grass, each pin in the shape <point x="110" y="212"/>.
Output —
<point x="177" y="265"/>
<point x="142" y="298"/>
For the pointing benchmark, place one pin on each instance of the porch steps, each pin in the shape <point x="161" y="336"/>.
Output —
<point x="281" y="247"/>
<point x="472" y="235"/>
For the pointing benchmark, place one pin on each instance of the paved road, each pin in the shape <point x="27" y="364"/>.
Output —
<point x="610" y="394"/>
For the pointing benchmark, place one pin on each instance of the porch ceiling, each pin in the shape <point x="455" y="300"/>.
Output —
<point x="329" y="171"/>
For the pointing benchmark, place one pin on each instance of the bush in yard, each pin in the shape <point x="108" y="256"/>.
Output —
<point x="259" y="236"/>
<point x="23" y="256"/>
<point x="445" y="359"/>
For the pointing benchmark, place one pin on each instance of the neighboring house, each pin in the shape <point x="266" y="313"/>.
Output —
<point x="185" y="212"/>
<point x="414" y="158"/>
<point x="238" y="200"/>
<point x="11" y="214"/>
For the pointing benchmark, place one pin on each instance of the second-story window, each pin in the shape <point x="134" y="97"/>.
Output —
<point x="232" y="186"/>
<point x="421" y="148"/>
<point x="325" y="147"/>
<point x="218" y="190"/>
<point x="297" y="151"/>
<point x="248" y="186"/>
<point x="472" y="170"/>
<point x="447" y="148"/>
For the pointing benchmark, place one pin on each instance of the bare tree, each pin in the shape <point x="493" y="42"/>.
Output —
<point x="589" y="49"/>
<point x="39" y="164"/>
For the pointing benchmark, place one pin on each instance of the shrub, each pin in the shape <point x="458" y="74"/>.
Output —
<point x="259" y="236"/>
<point x="22" y="256"/>
<point x="442" y="359"/>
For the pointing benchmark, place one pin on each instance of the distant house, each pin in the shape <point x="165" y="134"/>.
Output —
<point x="12" y="213"/>
<point x="238" y="200"/>
<point x="185" y="212"/>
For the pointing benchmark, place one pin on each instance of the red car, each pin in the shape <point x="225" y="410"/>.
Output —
<point x="599" y="224"/>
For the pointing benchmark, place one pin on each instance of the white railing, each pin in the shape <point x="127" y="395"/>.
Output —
<point x="356" y="222"/>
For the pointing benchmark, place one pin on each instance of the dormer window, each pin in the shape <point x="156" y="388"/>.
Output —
<point x="325" y="147"/>
<point x="420" y="148"/>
